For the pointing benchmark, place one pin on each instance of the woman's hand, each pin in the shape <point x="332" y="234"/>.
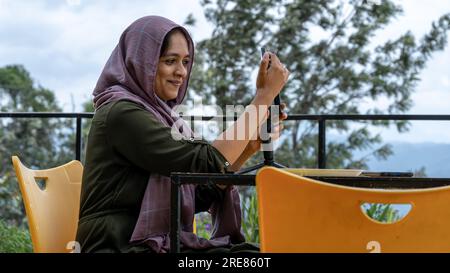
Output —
<point x="270" y="82"/>
<point x="254" y="145"/>
<point x="271" y="79"/>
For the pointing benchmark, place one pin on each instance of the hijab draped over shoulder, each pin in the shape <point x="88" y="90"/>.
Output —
<point x="129" y="74"/>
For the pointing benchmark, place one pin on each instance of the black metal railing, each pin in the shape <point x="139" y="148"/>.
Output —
<point x="321" y="120"/>
<point x="77" y="116"/>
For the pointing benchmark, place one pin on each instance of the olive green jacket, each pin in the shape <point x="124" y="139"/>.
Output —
<point x="125" y="144"/>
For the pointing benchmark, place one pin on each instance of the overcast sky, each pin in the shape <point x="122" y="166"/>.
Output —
<point x="65" y="44"/>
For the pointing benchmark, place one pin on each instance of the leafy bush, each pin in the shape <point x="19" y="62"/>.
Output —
<point x="250" y="224"/>
<point x="384" y="213"/>
<point x="203" y="222"/>
<point x="14" y="239"/>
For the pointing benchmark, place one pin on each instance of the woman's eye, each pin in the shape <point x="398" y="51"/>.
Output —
<point x="185" y="62"/>
<point x="170" y="61"/>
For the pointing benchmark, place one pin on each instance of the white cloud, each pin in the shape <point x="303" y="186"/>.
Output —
<point x="73" y="2"/>
<point x="445" y="81"/>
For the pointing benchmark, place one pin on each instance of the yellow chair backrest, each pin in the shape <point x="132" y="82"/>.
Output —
<point x="53" y="211"/>
<point x="194" y="226"/>
<point x="298" y="214"/>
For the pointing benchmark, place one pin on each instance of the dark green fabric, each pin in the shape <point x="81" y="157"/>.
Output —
<point x="126" y="144"/>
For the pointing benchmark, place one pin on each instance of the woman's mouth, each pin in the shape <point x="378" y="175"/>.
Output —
<point x="176" y="83"/>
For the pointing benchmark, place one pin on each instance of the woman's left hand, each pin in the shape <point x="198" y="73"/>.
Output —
<point x="254" y="145"/>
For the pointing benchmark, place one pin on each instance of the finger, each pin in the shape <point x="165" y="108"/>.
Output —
<point x="264" y="64"/>
<point x="275" y="59"/>
<point x="275" y="131"/>
<point x="277" y="123"/>
<point x="287" y="73"/>
<point x="282" y="116"/>
<point x="274" y="136"/>
<point x="277" y="128"/>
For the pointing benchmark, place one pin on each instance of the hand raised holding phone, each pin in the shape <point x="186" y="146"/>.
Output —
<point x="272" y="75"/>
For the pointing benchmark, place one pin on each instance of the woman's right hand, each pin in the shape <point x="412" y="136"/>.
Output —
<point x="270" y="81"/>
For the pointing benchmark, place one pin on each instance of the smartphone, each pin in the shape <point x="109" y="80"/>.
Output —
<point x="387" y="174"/>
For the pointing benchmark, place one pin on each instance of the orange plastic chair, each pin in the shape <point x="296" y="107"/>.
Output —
<point x="53" y="211"/>
<point x="298" y="214"/>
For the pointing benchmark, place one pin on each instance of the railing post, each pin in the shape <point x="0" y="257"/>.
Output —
<point x="78" y="140"/>
<point x="175" y="215"/>
<point x="322" y="144"/>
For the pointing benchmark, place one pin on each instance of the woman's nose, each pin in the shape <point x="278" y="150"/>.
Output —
<point x="181" y="71"/>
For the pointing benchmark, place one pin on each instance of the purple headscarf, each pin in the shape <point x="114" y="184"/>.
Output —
<point x="130" y="74"/>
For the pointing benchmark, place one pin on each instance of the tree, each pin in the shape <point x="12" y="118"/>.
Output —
<point x="40" y="143"/>
<point x="333" y="74"/>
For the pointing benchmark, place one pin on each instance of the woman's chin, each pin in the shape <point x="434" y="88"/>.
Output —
<point x="169" y="94"/>
<point x="173" y="94"/>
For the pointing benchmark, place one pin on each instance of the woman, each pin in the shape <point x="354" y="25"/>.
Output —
<point x="131" y="150"/>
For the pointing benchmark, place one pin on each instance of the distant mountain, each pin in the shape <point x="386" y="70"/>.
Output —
<point x="434" y="157"/>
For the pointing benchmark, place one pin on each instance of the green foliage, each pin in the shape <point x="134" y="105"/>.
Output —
<point x="203" y="221"/>
<point x="14" y="239"/>
<point x="335" y="67"/>
<point x="40" y="143"/>
<point x="190" y="20"/>
<point x="384" y="213"/>
<point x="250" y="224"/>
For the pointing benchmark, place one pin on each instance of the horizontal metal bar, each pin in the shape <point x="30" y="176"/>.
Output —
<point x="335" y="117"/>
<point x="206" y="118"/>
<point x="205" y="178"/>
<point x="386" y="182"/>
<point x="358" y="181"/>
<point x="368" y="117"/>
<point x="45" y="115"/>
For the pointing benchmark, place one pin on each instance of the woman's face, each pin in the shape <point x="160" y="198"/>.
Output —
<point x="172" y="67"/>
